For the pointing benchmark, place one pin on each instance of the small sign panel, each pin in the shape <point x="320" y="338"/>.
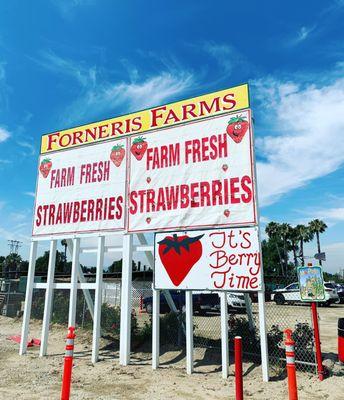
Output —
<point x="199" y="175"/>
<point x="81" y="191"/>
<point x="222" y="259"/>
<point x="311" y="283"/>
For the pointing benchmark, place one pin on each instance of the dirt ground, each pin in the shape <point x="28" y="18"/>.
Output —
<point x="31" y="377"/>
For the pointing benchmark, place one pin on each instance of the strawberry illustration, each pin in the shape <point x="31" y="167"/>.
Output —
<point x="117" y="154"/>
<point x="179" y="255"/>
<point x="139" y="147"/>
<point x="237" y="127"/>
<point x="45" y="167"/>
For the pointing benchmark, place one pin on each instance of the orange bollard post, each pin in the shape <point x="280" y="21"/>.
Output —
<point x="291" y="370"/>
<point x="239" y="391"/>
<point x="68" y="364"/>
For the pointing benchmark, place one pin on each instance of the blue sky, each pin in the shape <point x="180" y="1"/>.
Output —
<point x="64" y="63"/>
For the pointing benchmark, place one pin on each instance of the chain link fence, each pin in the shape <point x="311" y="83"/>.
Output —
<point x="207" y="322"/>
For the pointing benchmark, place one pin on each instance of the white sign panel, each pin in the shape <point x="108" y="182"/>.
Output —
<point x="81" y="191"/>
<point x="192" y="176"/>
<point x="223" y="259"/>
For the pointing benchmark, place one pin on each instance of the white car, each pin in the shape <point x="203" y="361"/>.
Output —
<point x="235" y="301"/>
<point x="291" y="294"/>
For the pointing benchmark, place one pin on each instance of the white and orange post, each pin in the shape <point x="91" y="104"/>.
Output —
<point x="68" y="364"/>
<point x="291" y="369"/>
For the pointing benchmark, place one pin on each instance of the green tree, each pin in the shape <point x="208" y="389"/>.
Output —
<point x="2" y="260"/>
<point x="316" y="227"/>
<point x="273" y="231"/>
<point x="116" y="266"/>
<point x="60" y="265"/>
<point x="271" y="258"/>
<point x="304" y="236"/>
<point x="293" y="237"/>
<point x="64" y="244"/>
<point x="285" y="230"/>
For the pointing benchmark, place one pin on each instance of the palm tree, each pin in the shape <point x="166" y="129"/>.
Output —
<point x="304" y="235"/>
<point x="64" y="244"/>
<point x="294" y="238"/>
<point x="316" y="227"/>
<point x="273" y="231"/>
<point x="285" y="231"/>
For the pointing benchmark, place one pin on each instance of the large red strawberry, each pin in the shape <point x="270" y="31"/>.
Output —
<point x="139" y="147"/>
<point x="237" y="127"/>
<point x="117" y="154"/>
<point x="45" y="167"/>
<point x="179" y="255"/>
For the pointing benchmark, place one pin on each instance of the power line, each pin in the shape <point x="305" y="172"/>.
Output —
<point x="14" y="246"/>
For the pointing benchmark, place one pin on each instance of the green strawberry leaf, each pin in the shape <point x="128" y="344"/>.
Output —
<point x="117" y="147"/>
<point x="46" y="160"/>
<point x="140" y="139"/>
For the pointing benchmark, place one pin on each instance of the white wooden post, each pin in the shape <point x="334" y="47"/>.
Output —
<point x="156" y="329"/>
<point x="82" y="279"/>
<point x="248" y="305"/>
<point x="28" y="298"/>
<point x="98" y="299"/>
<point x="49" y="292"/>
<point x="74" y="282"/>
<point x="263" y="336"/>
<point x="125" y="327"/>
<point x="189" y="331"/>
<point x="224" y="335"/>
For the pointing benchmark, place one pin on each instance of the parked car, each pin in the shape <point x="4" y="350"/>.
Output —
<point x="203" y="302"/>
<point x="235" y="301"/>
<point x="340" y="291"/>
<point x="291" y="294"/>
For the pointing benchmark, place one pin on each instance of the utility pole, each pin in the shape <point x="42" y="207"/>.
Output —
<point x="14" y="246"/>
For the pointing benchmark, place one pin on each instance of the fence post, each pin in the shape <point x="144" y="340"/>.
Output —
<point x="74" y="282"/>
<point x="126" y="300"/>
<point x="224" y="334"/>
<point x="263" y="335"/>
<point x="156" y="329"/>
<point x="48" y="299"/>
<point x="291" y="370"/>
<point x="189" y="331"/>
<point x="239" y="390"/>
<point x="317" y="341"/>
<point x="98" y="299"/>
<point x="68" y="364"/>
<point x="28" y="298"/>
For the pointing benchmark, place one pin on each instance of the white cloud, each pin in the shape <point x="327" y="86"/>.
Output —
<point x="29" y="146"/>
<point x="31" y="194"/>
<point x="332" y="214"/>
<point x="307" y="140"/>
<point x="226" y="55"/>
<point x="132" y="96"/>
<point x="4" y="134"/>
<point x="99" y="95"/>
<point x="68" y="8"/>
<point x="302" y="34"/>
<point x="84" y="75"/>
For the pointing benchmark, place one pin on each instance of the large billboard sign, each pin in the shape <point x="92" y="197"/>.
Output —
<point x="222" y="259"/>
<point x="184" y="165"/>
<point x="81" y="191"/>
<point x="192" y="176"/>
